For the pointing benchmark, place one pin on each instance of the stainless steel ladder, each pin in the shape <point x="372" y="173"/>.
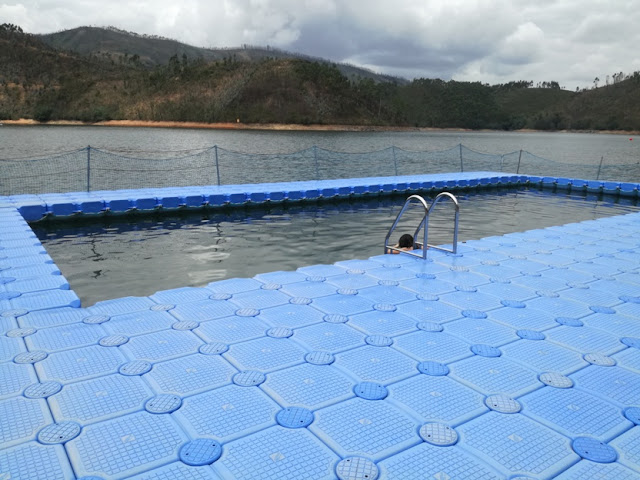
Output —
<point x="424" y="226"/>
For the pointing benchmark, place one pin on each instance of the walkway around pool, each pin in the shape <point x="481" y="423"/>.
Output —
<point x="518" y="357"/>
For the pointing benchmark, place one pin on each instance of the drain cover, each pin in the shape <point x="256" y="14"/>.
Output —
<point x="163" y="403"/>
<point x="599" y="359"/>
<point x="378" y="340"/>
<point x="42" y="390"/>
<point x="319" y="358"/>
<point x="430" y="326"/>
<point x="335" y="318"/>
<point x="434" y="369"/>
<point x="162" y="307"/>
<point x="248" y="378"/>
<point x="201" y="451"/>
<point x="370" y="391"/>
<point x="58" y="433"/>
<point x="485" y="350"/>
<point x="30" y="357"/>
<point x="96" y="319"/>
<point x="136" y="367"/>
<point x="438" y="434"/>
<point x="357" y="468"/>
<point x="213" y="348"/>
<point x="502" y="404"/>
<point x="556" y="380"/>
<point x="113" y="340"/>
<point x="294" y="417"/>
<point x="594" y="450"/>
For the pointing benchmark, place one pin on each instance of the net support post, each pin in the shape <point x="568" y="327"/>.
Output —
<point x="215" y="150"/>
<point x="88" y="168"/>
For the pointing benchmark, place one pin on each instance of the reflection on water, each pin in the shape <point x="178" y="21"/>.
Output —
<point x="137" y="256"/>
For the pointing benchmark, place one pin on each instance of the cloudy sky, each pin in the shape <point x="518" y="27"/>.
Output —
<point x="492" y="41"/>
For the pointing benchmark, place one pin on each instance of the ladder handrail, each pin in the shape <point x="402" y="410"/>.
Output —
<point x="454" y="248"/>
<point x="387" y="248"/>
<point x="424" y="225"/>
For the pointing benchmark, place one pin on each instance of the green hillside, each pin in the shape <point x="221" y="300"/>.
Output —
<point x="121" y="76"/>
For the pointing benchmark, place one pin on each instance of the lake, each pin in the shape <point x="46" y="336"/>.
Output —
<point x="578" y="148"/>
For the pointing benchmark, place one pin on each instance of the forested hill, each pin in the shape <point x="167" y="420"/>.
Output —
<point x="103" y="81"/>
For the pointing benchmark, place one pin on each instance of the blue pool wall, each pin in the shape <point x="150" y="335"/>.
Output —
<point x="63" y="205"/>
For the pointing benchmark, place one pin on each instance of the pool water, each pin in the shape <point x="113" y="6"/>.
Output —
<point x="113" y="257"/>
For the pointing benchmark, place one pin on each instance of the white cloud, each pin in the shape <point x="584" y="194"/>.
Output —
<point x="492" y="41"/>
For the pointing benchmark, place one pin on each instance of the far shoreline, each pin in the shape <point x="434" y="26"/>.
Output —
<point x="285" y="127"/>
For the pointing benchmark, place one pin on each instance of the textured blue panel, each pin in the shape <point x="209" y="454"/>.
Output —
<point x="181" y="295"/>
<point x="376" y="364"/>
<point x="232" y="329"/>
<point x="429" y="461"/>
<point x="310" y="386"/>
<point x="190" y="374"/>
<point x="509" y="291"/>
<point x="544" y="356"/>
<point x="38" y="284"/>
<point x="234" y="285"/>
<point x="178" y="470"/>
<point x="383" y="323"/>
<point x="629" y="358"/>
<point x="281" y="277"/>
<point x="10" y="347"/>
<point x="530" y="318"/>
<point x="99" y="399"/>
<point x="125" y="446"/>
<point x="265" y="354"/>
<point x="628" y="447"/>
<point x="292" y="316"/>
<point x="436" y="346"/>
<point x="430" y="310"/>
<point x="32" y="460"/>
<point x="162" y="345"/>
<point x="15" y="378"/>
<point x="358" y="426"/>
<point x="322" y="270"/>
<point x="46" y="299"/>
<point x="121" y="305"/>
<point x="309" y="289"/>
<point x="80" y="363"/>
<point x="343" y="304"/>
<point x="145" y="321"/>
<point x="437" y="399"/>
<point x="260" y="299"/>
<point x="575" y="413"/>
<point x="495" y="375"/>
<point x="387" y="294"/>
<point x="65" y="336"/>
<point x="480" y="331"/>
<point x="586" y="340"/>
<point x="613" y="383"/>
<point x="227" y="413"/>
<point x="352" y="280"/>
<point x="277" y="453"/>
<point x="622" y="325"/>
<point x="52" y="317"/>
<point x="471" y="300"/>
<point x="517" y="445"/>
<point x="329" y="337"/>
<point x="586" y="469"/>
<point x="20" y="419"/>
<point x="390" y="272"/>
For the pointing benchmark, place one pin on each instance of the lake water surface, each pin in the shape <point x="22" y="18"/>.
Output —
<point x="579" y="148"/>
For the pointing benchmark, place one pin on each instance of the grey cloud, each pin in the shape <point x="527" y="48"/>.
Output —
<point x="493" y="41"/>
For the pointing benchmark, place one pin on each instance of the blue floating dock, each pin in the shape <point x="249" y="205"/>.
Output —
<point x="518" y="357"/>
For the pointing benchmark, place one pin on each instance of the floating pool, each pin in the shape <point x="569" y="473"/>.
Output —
<point x="112" y="257"/>
<point x="518" y="357"/>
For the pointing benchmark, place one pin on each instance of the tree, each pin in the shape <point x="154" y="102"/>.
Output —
<point x="595" y="82"/>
